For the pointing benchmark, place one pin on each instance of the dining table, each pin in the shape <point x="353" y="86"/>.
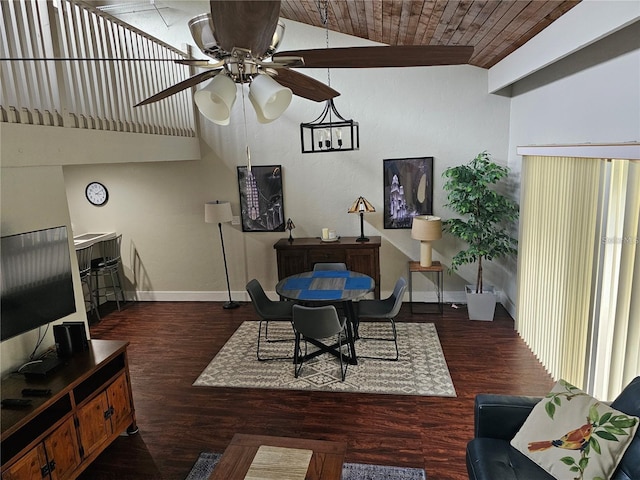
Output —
<point x="322" y="287"/>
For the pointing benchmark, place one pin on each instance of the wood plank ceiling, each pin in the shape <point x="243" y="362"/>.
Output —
<point x="495" y="28"/>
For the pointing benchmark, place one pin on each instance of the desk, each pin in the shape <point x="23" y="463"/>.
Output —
<point x="86" y="239"/>
<point x="436" y="267"/>
<point x="329" y="286"/>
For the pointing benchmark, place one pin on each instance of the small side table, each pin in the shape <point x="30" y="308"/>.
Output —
<point x="436" y="267"/>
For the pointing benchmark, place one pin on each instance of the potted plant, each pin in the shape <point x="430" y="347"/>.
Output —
<point x="487" y="217"/>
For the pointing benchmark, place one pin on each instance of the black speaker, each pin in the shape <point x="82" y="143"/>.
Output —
<point x="70" y="338"/>
<point x="62" y="336"/>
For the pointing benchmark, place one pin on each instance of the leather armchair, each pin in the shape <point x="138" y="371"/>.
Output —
<point x="497" y="418"/>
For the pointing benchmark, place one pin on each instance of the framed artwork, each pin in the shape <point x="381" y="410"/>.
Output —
<point x="408" y="190"/>
<point x="261" y="199"/>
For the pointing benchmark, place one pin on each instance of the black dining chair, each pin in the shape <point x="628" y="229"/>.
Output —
<point x="269" y="311"/>
<point x="329" y="266"/>
<point x="317" y="323"/>
<point x="386" y="309"/>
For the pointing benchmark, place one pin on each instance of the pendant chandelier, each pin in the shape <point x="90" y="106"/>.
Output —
<point x="330" y="132"/>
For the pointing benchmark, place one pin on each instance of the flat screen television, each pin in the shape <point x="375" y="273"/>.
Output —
<point x="36" y="281"/>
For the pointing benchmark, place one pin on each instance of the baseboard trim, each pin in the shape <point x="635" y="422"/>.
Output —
<point x="508" y="305"/>
<point x="185" y="296"/>
<point x="243" y="296"/>
<point x="452" y="298"/>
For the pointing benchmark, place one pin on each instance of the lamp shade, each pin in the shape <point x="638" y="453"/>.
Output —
<point x="426" y="227"/>
<point x="216" y="99"/>
<point x="217" y="212"/>
<point x="361" y="205"/>
<point x="269" y="98"/>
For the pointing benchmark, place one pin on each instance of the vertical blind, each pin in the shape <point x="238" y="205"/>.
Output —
<point x="558" y="219"/>
<point x="576" y="266"/>
<point x="615" y="342"/>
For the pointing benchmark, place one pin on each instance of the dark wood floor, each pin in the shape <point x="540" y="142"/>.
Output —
<point x="171" y="343"/>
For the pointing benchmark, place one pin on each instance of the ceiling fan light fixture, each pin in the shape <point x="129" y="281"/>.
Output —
<point x="216" y="100"/>
<point x="278" y="35"/>
<point x="269" y="98"/>
<point x="201" y="28"/>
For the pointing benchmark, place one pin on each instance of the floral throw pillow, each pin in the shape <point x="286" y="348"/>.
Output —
<point x="573" y="436"/>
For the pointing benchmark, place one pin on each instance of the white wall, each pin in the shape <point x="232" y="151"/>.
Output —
<point x="170" y="253"/>
<point x="445" y="112"/>
<point x="31" y="199"/>
<point x="585" y="24"/>
<point x="592" y="96"/>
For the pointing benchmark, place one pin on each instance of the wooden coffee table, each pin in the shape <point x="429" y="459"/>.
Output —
<point x="326" y="461"/>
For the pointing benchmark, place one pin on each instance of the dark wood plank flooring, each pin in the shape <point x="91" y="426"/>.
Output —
<point x="171" y="343"/>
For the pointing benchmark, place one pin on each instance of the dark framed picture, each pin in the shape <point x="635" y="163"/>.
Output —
<point x="408" y="190"/>
<point x="261" y="199"/>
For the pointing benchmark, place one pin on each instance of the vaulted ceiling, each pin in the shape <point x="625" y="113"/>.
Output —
<point x="495" y="28"/>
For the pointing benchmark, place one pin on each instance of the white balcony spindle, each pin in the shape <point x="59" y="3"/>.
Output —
<point x="83" y="93"/>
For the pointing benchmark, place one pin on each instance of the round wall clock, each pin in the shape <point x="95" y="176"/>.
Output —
<point x="96" y="193"/>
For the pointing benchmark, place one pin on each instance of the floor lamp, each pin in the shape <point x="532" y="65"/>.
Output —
<point x="220" y="212"/>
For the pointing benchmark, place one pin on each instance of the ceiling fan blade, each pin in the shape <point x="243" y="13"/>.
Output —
<point x="178" y="87"/>
<point x="245" y="24"/>
<point x="78" y="59"/>
<point x="283" y="62"/>
<point x="304" y="86"/>
<point x="374" y="57"/>
<point x="200" y="63"/>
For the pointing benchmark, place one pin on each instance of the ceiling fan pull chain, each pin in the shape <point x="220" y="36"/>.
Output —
<point x="244" y="117"/>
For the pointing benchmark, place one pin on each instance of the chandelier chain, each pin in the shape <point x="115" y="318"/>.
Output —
<point x="323" y="9"/>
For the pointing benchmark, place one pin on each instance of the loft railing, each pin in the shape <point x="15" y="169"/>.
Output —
<point x="115" y="67"/>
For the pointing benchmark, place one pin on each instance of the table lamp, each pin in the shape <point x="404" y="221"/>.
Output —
<point x="220" y="212"/>
<point x="361" y="206"/>
<point x="426" y="228"/>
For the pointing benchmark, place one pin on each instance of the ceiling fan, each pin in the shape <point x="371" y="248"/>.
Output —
<point x="239" y="37"/>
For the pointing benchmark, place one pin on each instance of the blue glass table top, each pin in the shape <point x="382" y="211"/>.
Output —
<point x="325" y="286"/>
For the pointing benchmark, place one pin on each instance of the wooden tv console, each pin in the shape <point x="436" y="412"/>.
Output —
<point x="58" y="436"/>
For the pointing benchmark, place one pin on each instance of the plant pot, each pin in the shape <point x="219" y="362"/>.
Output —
<point x="481" y="306"/>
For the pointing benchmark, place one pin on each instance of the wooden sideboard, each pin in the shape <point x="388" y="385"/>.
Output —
<point x="303" y="253"/>
<point x="58" y="436"/>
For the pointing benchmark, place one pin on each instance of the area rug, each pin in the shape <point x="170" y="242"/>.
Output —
<point x="206" y="463"/>
<point x="420" y="370"/>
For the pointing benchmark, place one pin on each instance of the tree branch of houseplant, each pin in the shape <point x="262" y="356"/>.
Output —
<point x="488" y="215"/>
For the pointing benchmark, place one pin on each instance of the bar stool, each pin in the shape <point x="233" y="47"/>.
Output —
<point x="108" y="266"/>
<point x="84" y="264"/>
